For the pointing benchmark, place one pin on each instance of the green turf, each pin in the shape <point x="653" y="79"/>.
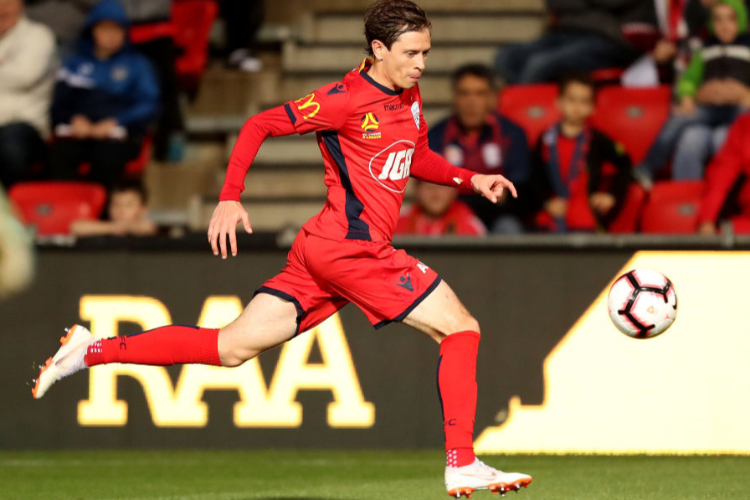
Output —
<point x="310" y="475"/>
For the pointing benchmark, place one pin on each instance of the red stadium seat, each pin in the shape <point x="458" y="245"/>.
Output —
<point x="135" y="167"/>
<point x="630" y="213"/>
<point x="632" y="117"/>
<point x="52" y="206"/>
<point x="193" y="20"/>
<point x="532" y="107"/>
<point x="673" y="208"/>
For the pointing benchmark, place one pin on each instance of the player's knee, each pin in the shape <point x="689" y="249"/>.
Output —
<point x="469" y="323"/>
<point x="461" y="323"/>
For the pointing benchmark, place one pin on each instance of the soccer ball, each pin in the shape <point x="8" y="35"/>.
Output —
<point x="642" y="303"/>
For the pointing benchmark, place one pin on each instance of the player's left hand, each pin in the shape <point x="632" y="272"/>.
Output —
<point x="492" y="186"/>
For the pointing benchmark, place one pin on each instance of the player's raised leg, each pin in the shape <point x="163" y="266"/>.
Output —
<point x="265" y="323"/>
<point x="444" y="318"/>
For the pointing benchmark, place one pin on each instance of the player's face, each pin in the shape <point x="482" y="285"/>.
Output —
<point x="109" y="37"/>
<point x="404" y="63"/>
<point x="725" y="23"/>
<point x="576" y="103"/>
<point x="472" y="100"/>
<point x="126" y="207"/>
<point x="433" y="199"/>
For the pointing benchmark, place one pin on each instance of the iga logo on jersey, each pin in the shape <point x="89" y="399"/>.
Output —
<point x="391" y="167"/>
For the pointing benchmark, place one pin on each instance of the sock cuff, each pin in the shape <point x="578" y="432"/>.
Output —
<point x="208" y="352"/>
<point x="468" y="334"/>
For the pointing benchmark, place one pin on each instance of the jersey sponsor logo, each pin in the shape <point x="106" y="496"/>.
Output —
<point x="391" y="166"/>
<point x="338" y="89"/>
<point x="393" y="107"/>
<point x="307" y="106"/>
<point x="370" y="125"/>
<point x="415" y="113"/>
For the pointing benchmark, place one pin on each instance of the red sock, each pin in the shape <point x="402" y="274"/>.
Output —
<point x="163" y="346"/>
<point x="457" y="388"/>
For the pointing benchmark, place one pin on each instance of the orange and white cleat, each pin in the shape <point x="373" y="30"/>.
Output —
<point x="66" y="361"/>
<point x="463" y="481"/>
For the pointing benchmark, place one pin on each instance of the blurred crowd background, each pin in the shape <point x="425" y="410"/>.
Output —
<point x="117" y="117"/>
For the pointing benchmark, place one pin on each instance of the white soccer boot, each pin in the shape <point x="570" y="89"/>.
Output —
<point x="479" y="476"/>
<point x="66" y="361"/>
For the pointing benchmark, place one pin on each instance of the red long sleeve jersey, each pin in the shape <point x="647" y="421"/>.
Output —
<point x="372" y="140"/>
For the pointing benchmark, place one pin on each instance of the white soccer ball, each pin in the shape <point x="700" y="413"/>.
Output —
<point x="642" y="303"/>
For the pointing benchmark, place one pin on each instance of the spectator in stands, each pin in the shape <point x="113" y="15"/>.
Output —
<point x="579" y="175"/>
<point x="64" y="17"/>
<point x="16" y="251"/>
<point x="730" y="166"/>
<point x="714" y="90"/>
<point x="583" y="35"/>
<point x="128" y="214"/>
<point x="478" y="138"/>
<point x="152" y="33"/>
<point x="105" y="98"/>
<point x="437" y="212"/>
<point x="27" y="57"/>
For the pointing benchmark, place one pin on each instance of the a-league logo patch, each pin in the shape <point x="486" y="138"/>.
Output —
<point x="415" y="112"/>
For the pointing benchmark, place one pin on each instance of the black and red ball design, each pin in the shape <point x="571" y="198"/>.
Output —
<point x="642" y="303"/>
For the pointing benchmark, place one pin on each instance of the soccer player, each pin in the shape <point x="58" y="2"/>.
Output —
<point x="373" y="137"/>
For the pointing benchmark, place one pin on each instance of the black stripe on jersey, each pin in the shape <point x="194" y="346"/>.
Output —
<point x="289" y="112"/>
<point x="358" y="229"/>
<point x="382" y="88"/>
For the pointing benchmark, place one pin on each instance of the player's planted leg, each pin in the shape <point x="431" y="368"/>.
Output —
<point x="442" y="316"/>
<point x="266" y="322"/>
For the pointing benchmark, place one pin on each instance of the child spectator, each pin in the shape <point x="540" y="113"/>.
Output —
<point x="713" y="91"/>
<point x="128" y="214"/>
<point x="105" y="98"/>
<point x="27" y="56"/>
<point x="437" y="212"/>
<point x="478" y="138"/>
<point x="579" y="175"/>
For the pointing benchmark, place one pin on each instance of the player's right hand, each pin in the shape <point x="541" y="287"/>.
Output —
<point x="224" y="223"/>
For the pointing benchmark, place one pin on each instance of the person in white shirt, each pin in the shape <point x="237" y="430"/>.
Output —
<point x="27" y="72"/>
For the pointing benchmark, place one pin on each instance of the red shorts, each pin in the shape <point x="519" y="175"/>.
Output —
<point x="322" y="276"/>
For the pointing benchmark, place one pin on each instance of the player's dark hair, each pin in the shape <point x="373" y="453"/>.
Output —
<point x="580" y="77"/>
<point x="131" y="186"/>
<point x="474" y="69"/>
<point x="386" y="20"/>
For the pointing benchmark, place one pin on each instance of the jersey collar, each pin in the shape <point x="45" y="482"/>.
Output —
<point x="364" y="67"/>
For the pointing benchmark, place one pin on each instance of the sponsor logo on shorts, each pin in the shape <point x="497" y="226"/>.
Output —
<point x="405" y="282"/>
